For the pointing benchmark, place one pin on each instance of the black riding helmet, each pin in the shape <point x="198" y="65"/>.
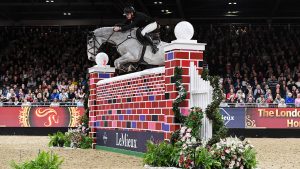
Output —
<point x="128" y="10"/>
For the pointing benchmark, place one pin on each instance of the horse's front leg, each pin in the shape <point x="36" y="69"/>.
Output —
<point x="128" y="57"/>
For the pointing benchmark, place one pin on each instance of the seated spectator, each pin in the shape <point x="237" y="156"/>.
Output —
<point x="16" y="102"/>
<point x="261" y="99"/>
<point x="289" y="100"/>
<point x="25" y="103"/>
<point x="277" y="99"/>
<point x="282" y="103"/>
<point x="55" y="103"/>
<point x="64" y="102"/>
<point x="54" y="95"/>
<point x="80" y="103"/>
<point x="63" y="95"/>
<point x="269" y="100"/>
<point x="297" y="101"/>
<point x="240" y="96"/>
<point x="231" y="96"/>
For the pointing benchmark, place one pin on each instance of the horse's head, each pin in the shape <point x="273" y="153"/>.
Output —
<point x="93" y="46"/>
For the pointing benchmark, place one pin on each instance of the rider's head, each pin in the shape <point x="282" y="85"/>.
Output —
<point x="129" y="12"/>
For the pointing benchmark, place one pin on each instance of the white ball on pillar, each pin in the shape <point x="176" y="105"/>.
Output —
<point x="102" y="59"/>
<point x="184" y="30"/>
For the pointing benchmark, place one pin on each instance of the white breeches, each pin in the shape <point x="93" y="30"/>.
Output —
<point x="149" y="28"/>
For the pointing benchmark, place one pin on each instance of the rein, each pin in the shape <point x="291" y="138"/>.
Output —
<point x="107" y="41"/>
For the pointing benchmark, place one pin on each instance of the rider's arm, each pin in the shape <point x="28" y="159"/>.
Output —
<point x="129" y="26"/>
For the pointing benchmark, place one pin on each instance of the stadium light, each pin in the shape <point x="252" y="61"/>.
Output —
<point x="157" y="2"/>
<point x="65" y="13"/>
<point x="229" y="3"/>
<point x="47" y="1"/>
<point x="69" y="13"/>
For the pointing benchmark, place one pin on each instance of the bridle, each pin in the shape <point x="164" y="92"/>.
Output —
<point x="96" y="49"/>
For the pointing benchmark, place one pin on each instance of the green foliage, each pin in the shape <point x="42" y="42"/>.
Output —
<point x="57" y="139"/>
<point x="175" y="136"/>
<point x="53" y="140"/>
<point x="61" y="139"/>
<point x="45" y="160"/>
<point x="205" y="159"/>
<point x="193" y="121"/>
<point x="179" y="118"/>
<point x="159" y="154"/>
<point x="85" y="117"/>
<point x="86" y="142"/>
<point x="250" y="158"/>
<point x="213" y="112"/>
<point x="84" y="120"/>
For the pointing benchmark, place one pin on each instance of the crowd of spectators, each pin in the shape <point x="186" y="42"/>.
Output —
<point x="43" y="66"/>
<point x="258" y="66"/>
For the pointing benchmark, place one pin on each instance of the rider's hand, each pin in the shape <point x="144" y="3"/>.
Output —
<point x="117" y="28"/>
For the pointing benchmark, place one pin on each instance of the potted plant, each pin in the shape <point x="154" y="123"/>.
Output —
<point x="61" y="139"/>
<point x="53" y="140"/>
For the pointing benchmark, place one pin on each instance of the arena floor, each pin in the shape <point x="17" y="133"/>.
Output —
<point x="272" y="154"/>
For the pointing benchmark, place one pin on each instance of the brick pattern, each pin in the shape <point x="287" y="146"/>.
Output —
<point x="132" y="104"/>
<point x="142" y="103"/>
<point x="183" y="59"/>
<point x="94" y="78"/>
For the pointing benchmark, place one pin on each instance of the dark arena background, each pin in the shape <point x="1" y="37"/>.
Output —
<point x="49" y="82"/>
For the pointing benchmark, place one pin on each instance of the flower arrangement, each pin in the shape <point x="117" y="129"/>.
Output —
<point x="74" y="138"/>
<point x="234" y="153"/>
<point x="187" y="150"/>
<point x="188" y="144"/>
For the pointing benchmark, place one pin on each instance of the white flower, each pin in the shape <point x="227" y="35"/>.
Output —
<point x="193" y="140"/>
<point x="189" y="130"/>
<point x="182" y="130"/>
<point x="188" y="135"/>
<point x="183" y="138"/>
<point x="232" y="162"/>
<point x="230" y="166"/>
<point x="237" y="164"/>
<point x="188" y="141"/>
<point x="223" y="157"/>
<point x="241" y="167"/>
<point x="239" y="159"/>
<point x="227" y="151"/>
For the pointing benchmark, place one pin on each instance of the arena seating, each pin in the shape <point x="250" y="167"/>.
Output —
<point x="258" y="64"/>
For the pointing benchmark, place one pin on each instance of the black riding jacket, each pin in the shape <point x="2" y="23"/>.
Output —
<point x="139" y="19"/>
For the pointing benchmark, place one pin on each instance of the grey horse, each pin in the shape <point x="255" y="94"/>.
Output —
<point x="127" y="45"/>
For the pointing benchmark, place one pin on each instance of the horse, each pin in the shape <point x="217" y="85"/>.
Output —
<point x="126" y="44"/>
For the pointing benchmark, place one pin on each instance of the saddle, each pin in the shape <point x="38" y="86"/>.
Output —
<point x="155" y="36"/>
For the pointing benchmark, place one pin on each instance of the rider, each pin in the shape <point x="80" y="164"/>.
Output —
<point x="139" y="19"/>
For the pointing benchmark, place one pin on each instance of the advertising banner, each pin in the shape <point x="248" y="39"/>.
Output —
<point x="40" y="116"/>
<point x="277" y="118"/>
<point x="128" y="140"/>
<point x="233" y="117"/>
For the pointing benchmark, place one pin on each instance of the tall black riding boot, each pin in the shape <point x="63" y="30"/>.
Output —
<point x="153" y="46"/>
